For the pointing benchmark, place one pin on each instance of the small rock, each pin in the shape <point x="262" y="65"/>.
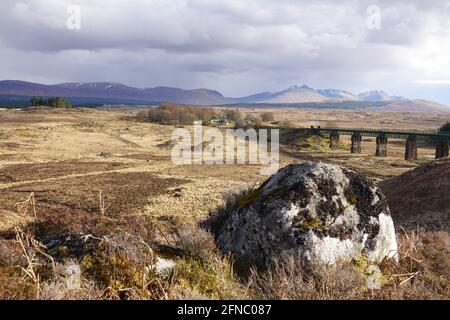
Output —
<point x="164" y="267"/>
<point x="178" y="192"/>
<point x="105" y="154"/>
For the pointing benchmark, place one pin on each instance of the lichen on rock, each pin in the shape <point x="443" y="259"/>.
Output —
<point x="320" y="212"/>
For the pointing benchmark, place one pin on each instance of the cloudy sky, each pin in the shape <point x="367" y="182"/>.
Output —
<point x="238" y="47"/>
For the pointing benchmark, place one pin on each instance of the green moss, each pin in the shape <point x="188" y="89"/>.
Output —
<point x="361" y="263"/>
<point x="61" y="251"/>
<point x="249" y="198"/>
<point x="353" y="200"/>
<point x="342" y="208"/>
<point x="306" y="224"/>
<point x="366" y="269"/>
<point x="214" y="279"/>
<point x="275" y="194"/>
<point x="253" y="195"/>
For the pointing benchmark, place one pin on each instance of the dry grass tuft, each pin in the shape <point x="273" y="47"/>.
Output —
<point x="125" y="267"/>
<point x="289" y="279"/>
<point x="423" y="267"/>
<point x="202" y="272"/>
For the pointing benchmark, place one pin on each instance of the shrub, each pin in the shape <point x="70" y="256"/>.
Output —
<point x="196" y="243"/>
<point x="213" y="280"/>
<point x="240" y="124"/>
<point x="268" y="116"/>
<point x="13" y="286"/>
<point x="174" y="114"/>
<point x="233" y="115"/>
<point x="142" y="115"/>
<point x="286" y="124"/>
<point x="202" y="272"/>
<point x="253" y="119"/>
<point x="422" y="270"/>
<point x="288" y="278"/>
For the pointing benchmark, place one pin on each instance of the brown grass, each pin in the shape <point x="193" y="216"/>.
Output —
<point x="119" y="259"/>
<point x="39" y="171"/>
<point x="290" y="279"/>
<point x="420" y="197"/>
<point x="60" y="156"/>
<point x="123" y="191"/>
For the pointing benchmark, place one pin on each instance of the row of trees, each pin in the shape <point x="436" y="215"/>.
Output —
<point x="175" y="114"/>
<point x="250" y="119"/>
<point x="53" y="102"/>
<point x="236" y="115"/>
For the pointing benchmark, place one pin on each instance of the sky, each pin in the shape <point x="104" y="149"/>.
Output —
<point x="238" y="47"/>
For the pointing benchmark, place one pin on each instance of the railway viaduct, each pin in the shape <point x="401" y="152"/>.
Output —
<point x="441" y="140"/>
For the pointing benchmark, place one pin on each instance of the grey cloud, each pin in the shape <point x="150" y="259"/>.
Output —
<point x="172" y="25"/>
<point x="235" y="46"/>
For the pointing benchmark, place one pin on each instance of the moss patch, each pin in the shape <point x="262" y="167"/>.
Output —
<point x="313" y="223"/>
<point x="249" y="198"/>
<point x="277" y="193"/>
<point x="353" y="200"/>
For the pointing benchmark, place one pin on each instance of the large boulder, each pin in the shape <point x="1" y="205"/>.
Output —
<point x="323" y="213"/>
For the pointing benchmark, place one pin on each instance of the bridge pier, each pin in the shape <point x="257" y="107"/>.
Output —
<point x="442" y="148"/>
<point x="382" y="141"/>
<point x="411" y="148"/>
<point x="315" y="130"/>
<point x="356" y="143"/>
<point x="334" y="140"/>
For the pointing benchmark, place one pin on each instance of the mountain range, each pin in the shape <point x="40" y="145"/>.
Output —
<point x="112" y="90"/>
<point x="117" y="93"/>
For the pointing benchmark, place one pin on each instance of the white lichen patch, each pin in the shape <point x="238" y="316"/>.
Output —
<point x="290" y="214"/>
<point x="386" y="242"/>
<point x="376" y="198"/>
<point x="373" y="221"/>
<point x="329" y="250"/>
<point x="350" y="218"/>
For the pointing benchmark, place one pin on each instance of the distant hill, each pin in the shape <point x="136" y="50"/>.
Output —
<point x="377" y="95"/>
<point x="420" y="198"/>
<point x="14" y="93"/>
<point x="338" y="94"/>
<point x="305" y="94"/>
<point x="255" y="98"/>
<point x="295" y="94"/>
<point x="416" y="106"/>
